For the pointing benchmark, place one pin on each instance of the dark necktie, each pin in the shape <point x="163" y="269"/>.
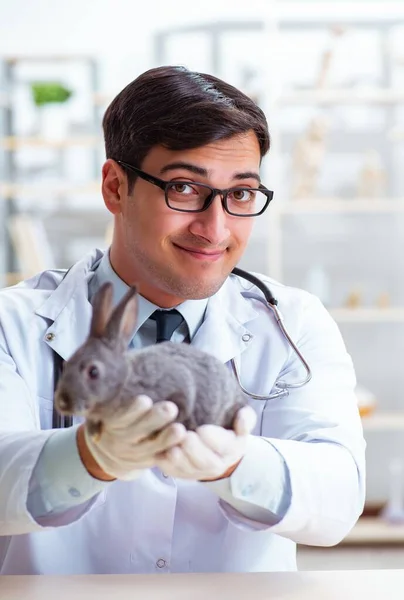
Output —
<point x="167" y="322"/>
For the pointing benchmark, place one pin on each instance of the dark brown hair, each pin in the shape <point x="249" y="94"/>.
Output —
<point x="178" y="109"/>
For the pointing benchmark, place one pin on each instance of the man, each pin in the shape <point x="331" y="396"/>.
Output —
<point x="181" y="179"/>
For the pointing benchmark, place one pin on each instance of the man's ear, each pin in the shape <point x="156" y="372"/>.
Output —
<point x="114" y="186"/>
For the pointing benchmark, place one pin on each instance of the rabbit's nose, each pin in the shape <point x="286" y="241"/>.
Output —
<point x="63" y="401"/>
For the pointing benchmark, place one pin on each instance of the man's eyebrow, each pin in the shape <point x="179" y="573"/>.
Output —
<point x="204" y="172"/>
<point x="247" y="175"/>
<point x="187" y="166"/>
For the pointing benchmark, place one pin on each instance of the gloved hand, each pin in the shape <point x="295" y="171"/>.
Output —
<point x="210" y="452"/>
<point x="131" y="439"/>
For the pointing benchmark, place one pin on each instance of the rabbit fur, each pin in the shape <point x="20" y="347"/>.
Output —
<point x="103" y="377"/>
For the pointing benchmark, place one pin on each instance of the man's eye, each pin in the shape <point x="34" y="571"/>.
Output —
<point x="242" y="195"/>
<point x="183" y="188"/>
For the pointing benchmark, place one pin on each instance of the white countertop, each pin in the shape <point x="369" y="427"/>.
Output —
<point x="306" y="585"/>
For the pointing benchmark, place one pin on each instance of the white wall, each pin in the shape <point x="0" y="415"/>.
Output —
<point x="119" y="31"/>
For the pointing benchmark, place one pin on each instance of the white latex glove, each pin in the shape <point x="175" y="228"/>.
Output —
<point x="129" y="442"/>
<point x="211" y="451"/>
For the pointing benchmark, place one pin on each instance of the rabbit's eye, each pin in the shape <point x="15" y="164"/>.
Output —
<point x="93" y="372"/>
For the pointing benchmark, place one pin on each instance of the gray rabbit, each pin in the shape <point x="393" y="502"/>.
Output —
<point x="103" y="377"/>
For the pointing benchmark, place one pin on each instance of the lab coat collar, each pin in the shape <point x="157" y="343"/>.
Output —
<point x="223" y="332"/>
<point x="192" y="310"/>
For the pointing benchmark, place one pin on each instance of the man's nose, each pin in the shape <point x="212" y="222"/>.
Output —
<point x="212" y="224"/>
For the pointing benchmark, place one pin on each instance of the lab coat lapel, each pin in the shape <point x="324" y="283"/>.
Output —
<point x="223" y="332"/>
<point x="71" y="328"/>
<point x="69" y="309"/>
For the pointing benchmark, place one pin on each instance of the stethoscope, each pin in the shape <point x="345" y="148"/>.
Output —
<point x="281" y="387"/>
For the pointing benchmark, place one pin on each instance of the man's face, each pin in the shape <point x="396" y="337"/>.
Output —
<point x="172" y="256"/>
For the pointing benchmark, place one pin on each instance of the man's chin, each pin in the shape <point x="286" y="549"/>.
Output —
<point x="199" y="288"/>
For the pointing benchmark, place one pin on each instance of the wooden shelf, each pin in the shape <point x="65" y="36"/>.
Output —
<point x="337" y="205"/>
<point x="342" y="96"/>
<point x="12" y="190"/>
<point x="32" y="58"/>
<point x="293" y="98"/>
<point x="13" y="278"/>
<point x="15" y="143"/>
<point x="328" y="97"/>
<point x="103" y="99"/>
<point x="368" y="315"/>
<point x="384" y="421"/>
<point x="373" y="530"/>
<point x="99" y="99"/>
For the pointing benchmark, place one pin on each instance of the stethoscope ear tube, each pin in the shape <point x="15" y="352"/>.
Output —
<point x="272" y="301"/>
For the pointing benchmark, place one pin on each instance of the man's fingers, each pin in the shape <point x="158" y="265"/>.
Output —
<point x="169" y="437"/>
<point x="245" y="421"/>
<point x="219" y="440"/>
<point x="126" y="414"/>
<point x="152" y="421"/>
<point x="174" y="462"/>
<point x="200" y="456"/>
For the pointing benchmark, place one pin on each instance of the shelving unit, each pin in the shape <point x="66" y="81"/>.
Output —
<point x="12" y="143"/>
<point x="383" y="421"/>
<point x="338" y="205"/>
<point x="368" y="315"/>
<point x="340" y="96"/>
<point x="366" y="328"/>
<point x="13" y="73"/>
<point x="11" y="190"/>
<point x="310" y="97"/>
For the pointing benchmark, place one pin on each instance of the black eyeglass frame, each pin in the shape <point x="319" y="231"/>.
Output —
<point x="165" y="185"/>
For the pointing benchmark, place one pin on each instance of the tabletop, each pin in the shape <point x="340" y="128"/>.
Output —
<point x="304" y="585"/>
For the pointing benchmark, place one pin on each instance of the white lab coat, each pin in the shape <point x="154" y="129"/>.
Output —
<point x="157" y="524"/>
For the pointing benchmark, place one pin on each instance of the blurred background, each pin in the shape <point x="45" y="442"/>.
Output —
<point x="330" y="77"/>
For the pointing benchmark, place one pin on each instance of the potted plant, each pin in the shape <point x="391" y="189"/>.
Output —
<point x="47" y="97"/>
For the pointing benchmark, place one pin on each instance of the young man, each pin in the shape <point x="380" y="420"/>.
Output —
<point x="182" y="181"/>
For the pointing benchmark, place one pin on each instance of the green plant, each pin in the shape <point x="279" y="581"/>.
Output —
<point x="47" y="92"/>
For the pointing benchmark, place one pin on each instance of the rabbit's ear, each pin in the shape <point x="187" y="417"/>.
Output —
<point x="123" y="319"/>
<point x="102" y="303"/>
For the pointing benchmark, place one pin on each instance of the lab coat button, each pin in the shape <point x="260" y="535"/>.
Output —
<point x="74" y="492"/>
<point x="50" y="337"/>
<point x="246" y="337"/>
<point x="247" y="490"/>
<point x="161" y="563"/>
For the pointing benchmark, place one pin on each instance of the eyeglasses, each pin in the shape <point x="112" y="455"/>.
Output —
<point x="190" y="197"/>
